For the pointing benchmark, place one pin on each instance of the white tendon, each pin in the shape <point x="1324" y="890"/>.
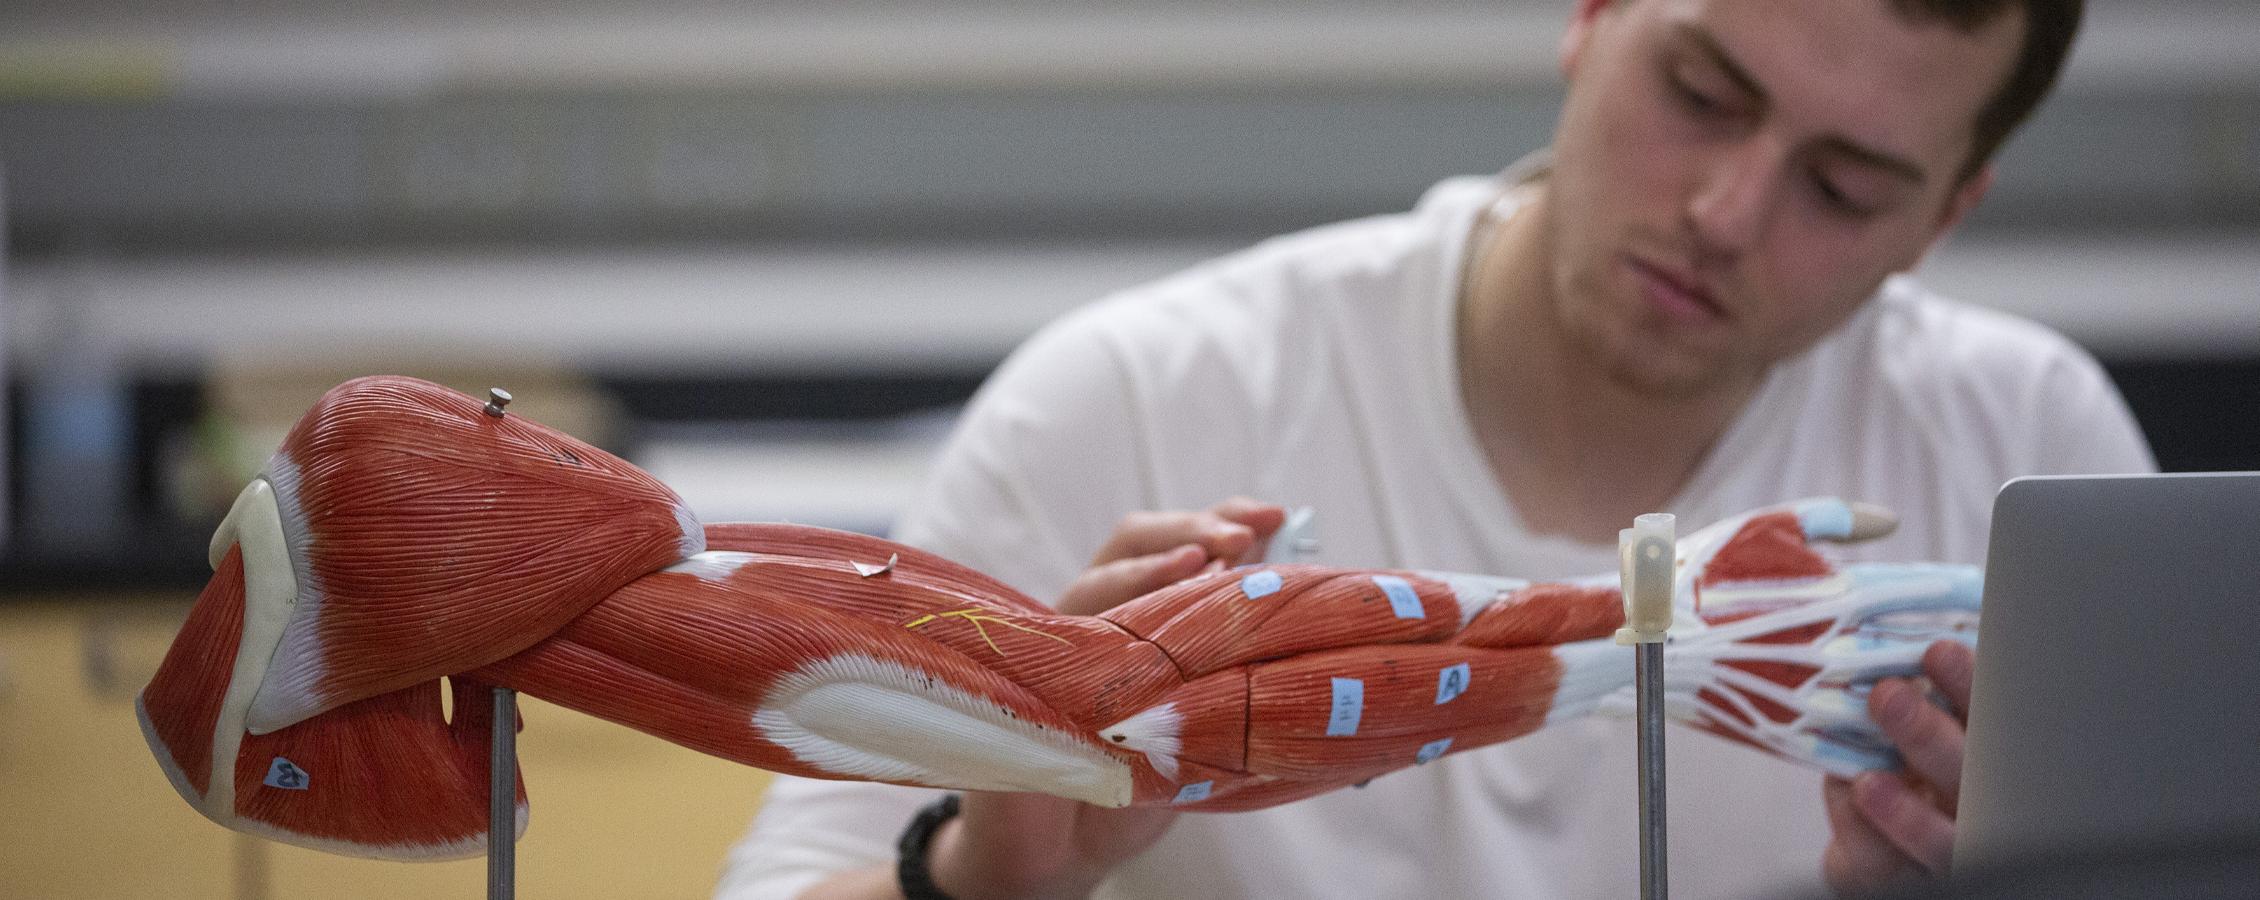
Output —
<point x="1476" y="593"/>
<point x="269" y="590"/>
<point x="712" y="565"/>
<point x="859" y="717"/>
<point x="295" y="660"/>
<point x="1155" y="732"/>
<point x="692" y="542"/>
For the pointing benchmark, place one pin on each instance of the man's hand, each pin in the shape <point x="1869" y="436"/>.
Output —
<point x="1890" y="826"/>
<point x="1035" y="846"/>
<point x="1152" y="550"/>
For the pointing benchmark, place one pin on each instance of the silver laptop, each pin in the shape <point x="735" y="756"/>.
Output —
<point x="2117" y="700"/>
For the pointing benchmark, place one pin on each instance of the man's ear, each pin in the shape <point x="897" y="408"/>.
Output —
<point x="1579" y="33"/>
<point x="1964" y="198"/>
<point x="1959" y="201"/>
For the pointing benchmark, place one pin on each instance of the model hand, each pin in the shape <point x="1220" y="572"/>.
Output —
<point x="1778" y="647"/>
<point x="1889" y="826"/>
<point x="1037" y="846"/>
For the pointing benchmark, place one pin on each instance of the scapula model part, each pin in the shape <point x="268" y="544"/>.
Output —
<point x="407" y="534"/>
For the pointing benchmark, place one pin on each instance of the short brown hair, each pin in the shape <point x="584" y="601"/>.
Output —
<point x="2050" y="26"/>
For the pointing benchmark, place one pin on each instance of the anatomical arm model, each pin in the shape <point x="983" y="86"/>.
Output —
<point x="405" y="533"/>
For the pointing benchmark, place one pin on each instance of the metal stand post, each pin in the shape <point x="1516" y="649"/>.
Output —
<point x="502" y="799"/>
<point x="1647" y="555"/>
<point x="502" y="763"/>
<point x="1648" y="668"/>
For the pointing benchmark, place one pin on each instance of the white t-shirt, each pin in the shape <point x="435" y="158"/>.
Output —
<point x="1317" y="369"/>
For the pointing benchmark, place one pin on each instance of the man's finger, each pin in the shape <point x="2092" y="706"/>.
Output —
<point x="1952" y="666"/>
<point x="1902" y="817"/>
<point x="1858" y="860"/>
<point x="1143" y="533"/>
<point x="1262" y="520"/>
<point x="1929" y="739"/>
<point x="1121" y="581"/>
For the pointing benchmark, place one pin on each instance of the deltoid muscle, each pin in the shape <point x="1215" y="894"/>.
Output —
<point x="404" y="534"/>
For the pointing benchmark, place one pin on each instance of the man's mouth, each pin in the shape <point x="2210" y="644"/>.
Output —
<point x="1679" y="296"/>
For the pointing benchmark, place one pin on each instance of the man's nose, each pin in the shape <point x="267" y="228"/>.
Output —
<point x="1736" y="198"/>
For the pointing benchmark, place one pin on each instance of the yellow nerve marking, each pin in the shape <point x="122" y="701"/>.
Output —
<point x="976" y="616"/>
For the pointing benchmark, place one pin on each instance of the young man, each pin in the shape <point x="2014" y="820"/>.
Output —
<point x="1691" y="308"/>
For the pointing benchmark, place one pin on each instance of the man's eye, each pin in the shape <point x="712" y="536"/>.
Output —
<point x="1838" y="200"/>
<point x="1694" y="99"/>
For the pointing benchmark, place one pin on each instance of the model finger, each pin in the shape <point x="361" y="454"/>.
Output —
<point x="1832" y="519"/>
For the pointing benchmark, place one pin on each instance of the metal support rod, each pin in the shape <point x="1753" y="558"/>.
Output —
<point x="502" y="798"/>
<point x="1648" y="671"/>
<point x="1648" y="579"/>
<point x="502" y="764"/>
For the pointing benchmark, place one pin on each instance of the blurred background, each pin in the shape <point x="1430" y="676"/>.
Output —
<point x="765" y="251"/>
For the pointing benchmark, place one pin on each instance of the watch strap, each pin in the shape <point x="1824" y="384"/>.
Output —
<point x="911" y="873"/>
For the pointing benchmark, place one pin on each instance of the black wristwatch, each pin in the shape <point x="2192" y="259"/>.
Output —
<point x="911" y="874"/>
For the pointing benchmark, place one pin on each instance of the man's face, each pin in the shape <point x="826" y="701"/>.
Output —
<point x="1733" y="178"/>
